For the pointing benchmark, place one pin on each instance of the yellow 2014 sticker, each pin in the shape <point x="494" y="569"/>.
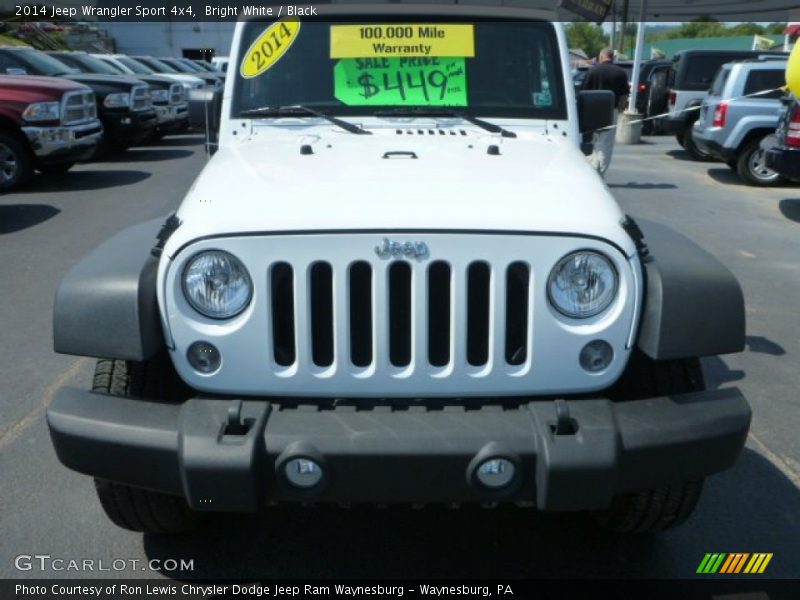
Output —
<point x="269" y="47"/>
<point x="402" y="40"/>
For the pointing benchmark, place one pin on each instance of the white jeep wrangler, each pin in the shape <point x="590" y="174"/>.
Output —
<point x="399" y="281"/>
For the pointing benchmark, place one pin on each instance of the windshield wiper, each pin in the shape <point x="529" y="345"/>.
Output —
<point x="421" y="111"/>
<point x="299" y="109"/>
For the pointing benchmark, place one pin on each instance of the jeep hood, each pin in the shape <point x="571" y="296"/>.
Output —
<point x="399" y="179"/>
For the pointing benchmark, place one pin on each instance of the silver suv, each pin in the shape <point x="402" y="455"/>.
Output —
<point x="731" y="128"/>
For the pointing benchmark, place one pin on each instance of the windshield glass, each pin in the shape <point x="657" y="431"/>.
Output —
<point x="187" y="64"/>
<point x="88" y="64"/>
<point x="156" y="65"/>
<point x="45" y="65"/>
<point x="490" y="68"/>
<point x="135" y="65"/>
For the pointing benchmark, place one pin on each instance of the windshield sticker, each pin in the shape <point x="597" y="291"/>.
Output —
<point x="437" y="81"/>
<point x="542" y="99"/>
<point x="269" y="47"/>
<point x="366" y="41"/>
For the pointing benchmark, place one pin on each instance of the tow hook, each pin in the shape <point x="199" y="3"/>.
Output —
<point x="234" y="424"/>
<point x="565" y="424"/>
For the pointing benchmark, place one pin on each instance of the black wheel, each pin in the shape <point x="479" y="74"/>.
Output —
<point x="55" y="169"/>
<point x="653" y="510"/>
<point x="668" y="506"/>
<point x="680" y="140"/>
<point x="693" y="150"/>
<point x="752" y="167"/>
<point x="145" y="511"/>
<point x="129" y="507"/>
<point x="16" y="162"/>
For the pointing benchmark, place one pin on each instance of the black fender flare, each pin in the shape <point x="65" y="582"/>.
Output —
<point x="693" y="305"/>
<point x="106" y="305"/>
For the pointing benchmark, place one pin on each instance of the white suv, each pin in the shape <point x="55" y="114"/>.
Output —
<point x="399" y="281"/>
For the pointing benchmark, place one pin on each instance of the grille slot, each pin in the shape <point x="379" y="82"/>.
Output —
<point x="516" y="326"/>
<point x="361" y="314"/>
<point x="282" y="288"/>
<point x="400" y="314"/>
<point x="439" y="299"/>
<point x="478" y="280"/>
<point x="321" y="300"/>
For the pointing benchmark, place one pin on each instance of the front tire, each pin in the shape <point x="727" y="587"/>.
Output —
<point x="126" y="506"/>
<point x="652" y="510"/>
<point x="16" y="162"/>
<point x="752" y="168"/>
<point x="669" y="506"/>
<point x="693" y="150"/>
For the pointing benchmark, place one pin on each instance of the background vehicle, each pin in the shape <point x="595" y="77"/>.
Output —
<point x="169" y="98"/>
<point x="690" y="78"/>
<point x="126" y="64"/>
<point x="47" y="124"/>
<point x="732" y="130"/>
<point x="403" y="343"/>
<point x="211" y="80"/>
<point x="204" y="102"/>
<point x="653" y="97"/>
<point x="783" y="153"/>
<point x="123" y="103"/>
<point x="220" y="63"/>
<point x="206" y="66"/>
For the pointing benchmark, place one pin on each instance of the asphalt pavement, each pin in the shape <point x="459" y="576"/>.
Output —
<point x="47" y="510"/>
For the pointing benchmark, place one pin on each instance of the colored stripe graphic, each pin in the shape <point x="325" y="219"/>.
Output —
<point x="711" y="562"/>
<point x="735" y="562"/>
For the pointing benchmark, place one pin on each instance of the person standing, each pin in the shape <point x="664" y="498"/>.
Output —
<point x="605" y="75"/>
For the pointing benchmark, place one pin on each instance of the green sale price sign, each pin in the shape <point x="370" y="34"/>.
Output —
<point x="405" y="81"/>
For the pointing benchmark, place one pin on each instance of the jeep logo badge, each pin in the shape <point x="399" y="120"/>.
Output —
<point x="392" y="249"/>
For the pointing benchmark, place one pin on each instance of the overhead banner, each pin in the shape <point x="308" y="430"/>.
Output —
<point x="591" y="10"/>
<point x="402" y="40"/>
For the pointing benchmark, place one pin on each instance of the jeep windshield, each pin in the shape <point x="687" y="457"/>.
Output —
<point x="396" y="66"/>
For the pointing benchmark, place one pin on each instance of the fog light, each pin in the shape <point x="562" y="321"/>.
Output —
<point x="303" y="472"/>
<point x="496" y="472"/>
<point x="204" y="357"/>
<point x="596" y="356"/>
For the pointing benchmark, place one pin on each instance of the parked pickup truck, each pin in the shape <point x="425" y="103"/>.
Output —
<point x="740" y="110"/>
<point x="46" y="124"/>
<point x="123" y="103"/>
<point x="169" y="99"/>
<point x="399" y="280"/>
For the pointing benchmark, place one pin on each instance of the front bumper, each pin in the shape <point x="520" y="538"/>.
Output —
<point x="129" y="126"/>
<point x="388" y="455"/>
<point x="785" y="161"/>
<point x="64" y="143"/>
<point x="171" y="116"/>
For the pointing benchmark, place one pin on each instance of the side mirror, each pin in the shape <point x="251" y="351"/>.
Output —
<point x="595" y="110"/>
<point x="16" y="71"/>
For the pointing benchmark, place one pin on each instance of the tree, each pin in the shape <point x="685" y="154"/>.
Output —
<point x="587" y="37"/>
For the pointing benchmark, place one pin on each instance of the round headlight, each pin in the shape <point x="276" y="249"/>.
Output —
<point x="217" y="284"/>
<point x="582" y="284"/>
